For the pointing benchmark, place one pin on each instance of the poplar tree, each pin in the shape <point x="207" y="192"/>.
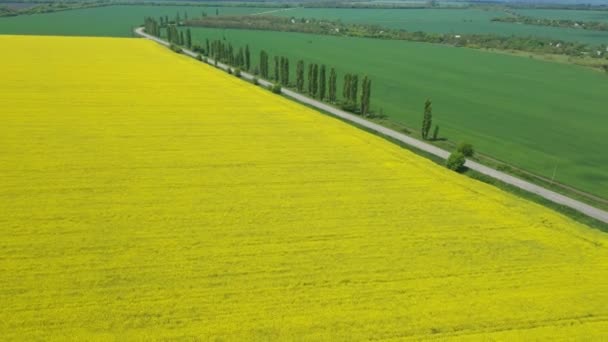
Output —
<point x="282" y="70"/>
<point x="207" y="45"/>
<point x="188" y="38"/>
<point x="365" y="95"/>
<point x="230" y="54"/>
<point x="247" y="58"/>
<point x="181" y="37"/>
<point x="427" y="120"/>
<point x="346" y="88"/>
<point x="315" y="80"/>
<point x="332" y="85"/>
<point x="310" y="71"/>
<point x="285" y="72"/>
<point x="322" y="83"/>
<point x="264" y="64"/>
<point x="436" y="132"/>
<point x="354" y="87"/>
<point x="300" y="76"/>
<point x="276" y="68"/>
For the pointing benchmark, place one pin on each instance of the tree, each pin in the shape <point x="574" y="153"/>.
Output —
<point x="436" y="132"/>
<point x="354" y="88"/>
<point x="322" y="84"/>
<point x="315" y="80"/>
<point x="181" y="37"/>
<point x="365" y="95"/>
<point x="285" y="71"/>
<point x="466" y="149"/>
<point x="282" y="70"/>
<point x="455" y="161"/>
<point x="207" y="46"/>
<point x="300" y="76"/>
<point x="264" y="64"/>
<point x="427" y="120"/>
<point x="240" y="58"/>
<point x="310" y="71"/>
<point x="177" y="19"/>
<point x="346" y="87"/>
<point x="276" y="69"/>
<point x="247" y="58"/>
<point x="188" y="38"/>
<point x="217" y="11"/>
<point x="332" y="85"/>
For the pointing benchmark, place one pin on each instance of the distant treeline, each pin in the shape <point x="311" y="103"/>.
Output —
<point x="337" y="28"/>
<point x="564" y="23"/>
<point x="576" y="7"/>
<point x="47" y="7"/>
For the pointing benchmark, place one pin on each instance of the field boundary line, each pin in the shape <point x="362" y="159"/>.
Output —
<point x="547" y="194"/>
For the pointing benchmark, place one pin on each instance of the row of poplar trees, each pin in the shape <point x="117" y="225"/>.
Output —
<point x="225" y="53"/>
<point x="319" y="84"/>
<point x="174" y="36"/>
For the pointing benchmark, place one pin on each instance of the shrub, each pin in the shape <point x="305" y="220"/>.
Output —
<point x="175" y="48"/>
<point x="229" y="70"/>
<point x="255" y="81"/>
<point x="237" y="72"/>
<point x="456" y="161"/>
<point x="348" y="106"/>
<point x="466" y="149"/>
<point x="199" y="57"/>
<point x="275" y="88"/>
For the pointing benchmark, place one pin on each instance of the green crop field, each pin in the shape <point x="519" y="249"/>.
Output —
<point x="457" y="21"/>
<point x="534" y="114"/>
<point x="601" y="16"/>
<point x="112" y="21"/>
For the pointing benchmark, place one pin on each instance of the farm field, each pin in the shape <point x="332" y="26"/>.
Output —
<point x="540" y="116"/>
<point x="457" y="21"/>
<point x="113" y="21"/>
<point x="148" y="196"/>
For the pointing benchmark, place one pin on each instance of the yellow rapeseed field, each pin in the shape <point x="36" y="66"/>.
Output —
<point x="146" y="196"/>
